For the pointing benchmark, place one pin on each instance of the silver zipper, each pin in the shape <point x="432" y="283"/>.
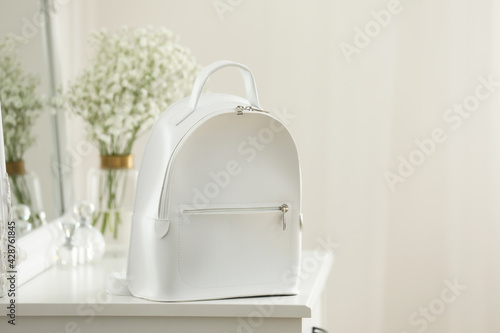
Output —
<point x="241" y="108"/>
<point x="228" y="210"/>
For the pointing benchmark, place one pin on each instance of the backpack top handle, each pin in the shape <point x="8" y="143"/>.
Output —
<point x="250" y="88"/>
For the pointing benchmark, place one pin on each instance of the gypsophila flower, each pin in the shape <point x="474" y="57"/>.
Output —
<point x="21" y="105"/>
<point x="133" y="76"/>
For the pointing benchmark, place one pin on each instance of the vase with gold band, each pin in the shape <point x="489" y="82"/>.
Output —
<point x="25" y="190"/>
<point x="111" y="188"/>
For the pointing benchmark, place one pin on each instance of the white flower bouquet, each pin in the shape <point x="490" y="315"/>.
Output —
<point x="21" y="106"/>
<point x="133" y="77"/>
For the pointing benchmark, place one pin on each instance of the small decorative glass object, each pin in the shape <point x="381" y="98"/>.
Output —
<point x="21" y="215"/>
<point x="89" y="241"/>
<point x="66" y="252"/>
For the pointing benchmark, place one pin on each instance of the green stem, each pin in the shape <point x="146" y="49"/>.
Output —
<point x="104" y="223"/>
<point x="117" y="221"/>
<point x="109" y="214"/>
<point x="97" y="216"/>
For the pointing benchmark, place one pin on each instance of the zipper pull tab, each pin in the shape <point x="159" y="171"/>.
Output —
<point x="284" y="209"/>
<point x="251" y="108"/>
<point x="241" y="108"/>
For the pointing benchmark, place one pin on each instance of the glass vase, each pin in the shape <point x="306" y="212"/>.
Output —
<point x="25" y="190"/>
<point x="111" y="188"/>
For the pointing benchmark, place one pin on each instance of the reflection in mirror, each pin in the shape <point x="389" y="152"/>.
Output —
<point x="26" y="87"/>
<point x="22" y="105"/>
<point x="28" y="72"/>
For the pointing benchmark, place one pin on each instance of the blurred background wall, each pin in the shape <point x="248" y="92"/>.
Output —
<point x="412" y="217"/>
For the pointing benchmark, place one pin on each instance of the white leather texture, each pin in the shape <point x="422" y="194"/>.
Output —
<point x="209" y="219"/>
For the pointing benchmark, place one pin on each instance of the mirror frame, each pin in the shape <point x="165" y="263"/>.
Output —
<point x="37" y="251"/>
<point x="62" y="177"/>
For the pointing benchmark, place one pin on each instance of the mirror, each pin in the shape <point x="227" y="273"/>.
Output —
<point x="26" y="88"/>
<point x="33" y="129"/>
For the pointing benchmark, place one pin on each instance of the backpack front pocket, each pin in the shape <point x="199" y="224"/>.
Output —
<point x="247" y="244"/>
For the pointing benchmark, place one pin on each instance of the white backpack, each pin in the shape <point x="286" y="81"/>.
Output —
<point x="218" y="201"/>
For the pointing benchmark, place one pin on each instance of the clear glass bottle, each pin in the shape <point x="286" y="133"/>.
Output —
<point x="89" y="241"/>
<point x="66" y="252"/>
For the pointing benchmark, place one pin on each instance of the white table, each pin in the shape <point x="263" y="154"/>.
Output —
<point x="73" y="300"/>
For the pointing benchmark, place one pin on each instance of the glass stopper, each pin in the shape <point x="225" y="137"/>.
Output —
<point x="83" y="211"/>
